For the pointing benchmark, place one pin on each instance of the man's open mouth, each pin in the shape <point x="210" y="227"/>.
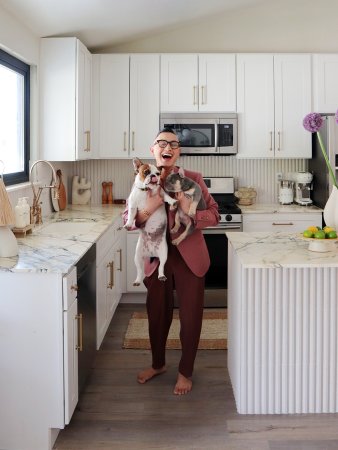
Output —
<point x="167" y="155"/>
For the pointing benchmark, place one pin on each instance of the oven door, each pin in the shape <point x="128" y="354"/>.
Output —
<point x="216" y="279"/>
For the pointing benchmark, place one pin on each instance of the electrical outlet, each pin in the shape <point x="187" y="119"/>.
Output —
<point x="279" y="176"/>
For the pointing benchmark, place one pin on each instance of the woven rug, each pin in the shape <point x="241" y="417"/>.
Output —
<point x="213" y="335"/>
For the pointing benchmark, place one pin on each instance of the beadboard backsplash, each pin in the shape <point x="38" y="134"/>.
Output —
<point x="258" y="173"/>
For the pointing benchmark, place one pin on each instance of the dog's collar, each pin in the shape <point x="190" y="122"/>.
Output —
<point x="144" y="189"/>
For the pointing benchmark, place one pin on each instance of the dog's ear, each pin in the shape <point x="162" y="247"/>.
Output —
<point x="137" y="163"/>
<point x="181" y="172"/>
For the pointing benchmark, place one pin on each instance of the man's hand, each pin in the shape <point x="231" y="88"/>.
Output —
<point x="154" y="200"/>
<point x="184" y="202"/>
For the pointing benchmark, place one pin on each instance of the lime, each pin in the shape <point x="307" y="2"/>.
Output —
<point x="331" y="234"/>
<point x="320" y="234"/>
<point x="308" y="234"/>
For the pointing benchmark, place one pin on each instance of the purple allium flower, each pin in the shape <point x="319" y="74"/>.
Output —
<point x="336" y="116"/>
<point x="312" y="122"/>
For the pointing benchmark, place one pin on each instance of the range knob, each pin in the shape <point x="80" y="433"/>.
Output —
<point x="228" y="217"/>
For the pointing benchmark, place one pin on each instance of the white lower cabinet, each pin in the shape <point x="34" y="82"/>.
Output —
<point x="132" y="238"/>
<point x="70" y="344"/>
<point x="109" y="277"/>
<point x="290" y="223"/>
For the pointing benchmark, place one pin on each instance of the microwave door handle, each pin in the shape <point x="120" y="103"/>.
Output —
<point x="217" y="148"/>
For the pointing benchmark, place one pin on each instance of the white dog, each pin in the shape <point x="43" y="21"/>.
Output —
<point x="152" y="239"/>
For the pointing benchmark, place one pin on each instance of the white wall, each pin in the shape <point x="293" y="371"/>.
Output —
<point x="271" y="26"/>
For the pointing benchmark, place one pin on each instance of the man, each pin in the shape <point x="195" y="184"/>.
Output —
<point x="185" y="269"/>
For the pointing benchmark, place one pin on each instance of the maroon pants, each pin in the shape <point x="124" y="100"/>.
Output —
<point x="160" y="303"/>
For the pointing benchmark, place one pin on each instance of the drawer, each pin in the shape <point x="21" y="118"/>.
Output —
<point x="290" y="223"/>
<point x="107" y="239"/>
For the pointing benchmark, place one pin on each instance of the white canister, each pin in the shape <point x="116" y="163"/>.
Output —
<point x="285" y="195"/>
<point x="20" y="221"/>
<point x="26" y="210"/>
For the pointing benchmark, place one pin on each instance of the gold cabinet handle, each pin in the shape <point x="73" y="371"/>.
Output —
<point x="204" y="96"/>
<point x="74" y="287"/>
<point x="194" y="92"/>
<point x="125" y="141"/>
<point x="133" y="141"/>
<point x="79" y="346"/>
<point x="110" y="265"/>
<point x="270" y="141"/>
<point x="279" y="141"/>
<point x="87" y="149"/>
<point x="281" y="223"/>
<point x="120" y="252"/>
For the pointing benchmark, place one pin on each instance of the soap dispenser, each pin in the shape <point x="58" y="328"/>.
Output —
<point x="26" y="210"/>
<point x="20" y="221"/>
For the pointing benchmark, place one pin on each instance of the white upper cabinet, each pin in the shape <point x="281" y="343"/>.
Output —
<point x="205" y="82"/>
<point x="273" y="96"/>
<point x="325" y="86"/>
<point x="65" y="100"/>
<point x="125" y="104"/>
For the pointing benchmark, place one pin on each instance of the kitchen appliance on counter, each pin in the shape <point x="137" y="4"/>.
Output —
<point x="322" y="184"/>
<point x="303" y="187"/>
<point x="286" y="192"/>
<point x="203" y="133"/>
<point x="216" y="279"/>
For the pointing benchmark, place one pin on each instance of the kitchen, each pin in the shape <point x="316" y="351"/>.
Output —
<point x="260" y="173"/>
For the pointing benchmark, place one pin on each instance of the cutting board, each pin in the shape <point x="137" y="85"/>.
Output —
<point x="62" y="191"/>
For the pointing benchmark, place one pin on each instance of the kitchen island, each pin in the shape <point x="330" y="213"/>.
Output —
<point x="283" y="324"/>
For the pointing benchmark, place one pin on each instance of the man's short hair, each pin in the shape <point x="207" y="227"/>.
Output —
<point x="166" y="130"/>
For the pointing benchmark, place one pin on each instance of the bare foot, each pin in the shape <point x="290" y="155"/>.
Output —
<point x="183" y="385"/>
<point x="147" y="374"/>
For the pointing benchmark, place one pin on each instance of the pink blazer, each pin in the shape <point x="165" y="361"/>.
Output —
<point x="193" y="248"/>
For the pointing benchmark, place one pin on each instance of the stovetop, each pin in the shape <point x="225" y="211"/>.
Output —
<point x="227" y="208"/>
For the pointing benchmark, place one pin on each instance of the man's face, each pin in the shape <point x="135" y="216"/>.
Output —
<point x="165" y="155"/>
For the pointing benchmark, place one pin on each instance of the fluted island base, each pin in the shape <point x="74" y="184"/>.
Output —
<point x="283" y="331"/>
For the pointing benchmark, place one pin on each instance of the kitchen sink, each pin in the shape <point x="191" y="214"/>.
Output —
<point x="67" y="228"/>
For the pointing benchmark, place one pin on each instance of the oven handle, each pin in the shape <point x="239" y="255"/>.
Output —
<point x="221" y="230"/>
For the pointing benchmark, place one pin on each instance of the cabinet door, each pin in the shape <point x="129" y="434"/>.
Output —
<point x="292" y="75"/>
<point x="132" y="238"/>
<point x="112" y="86"/>
<point x="70" y="360"/>
<point x="144" y="103"/>
<point x="84" y="78"/>
<point x="255" y="105"/>
<point x="325" y="86"/>
<point x="217" y="82"/>
<point x="179" y="82"/>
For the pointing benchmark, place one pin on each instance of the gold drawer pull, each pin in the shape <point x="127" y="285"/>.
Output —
<point x="74" y="287"/>
<point x="120" y="252"/>
<point x="281" y="223"/>
<point x="79" y="346"/>
<point x="110" y="265"/>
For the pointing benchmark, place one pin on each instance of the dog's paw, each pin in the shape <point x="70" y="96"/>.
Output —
<point x="162" y="278"/>
<point x="128" y="227"/>
<point x="173" y="206"/>
<point x="136" y="283"/>
<point x="175" y="241"/>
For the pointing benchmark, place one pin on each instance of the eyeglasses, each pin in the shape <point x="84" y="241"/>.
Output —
<point x="163" y="143"/>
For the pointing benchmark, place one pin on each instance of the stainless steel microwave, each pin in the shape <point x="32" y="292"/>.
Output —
<point x="203" y="133"/>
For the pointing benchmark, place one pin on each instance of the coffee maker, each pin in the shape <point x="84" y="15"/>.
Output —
<point x="303" y="186"/>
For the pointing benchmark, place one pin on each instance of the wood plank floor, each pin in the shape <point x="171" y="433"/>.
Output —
<point x="115" y="412"/>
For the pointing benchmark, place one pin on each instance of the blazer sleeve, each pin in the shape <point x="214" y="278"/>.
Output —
<point x="209" y="216"/>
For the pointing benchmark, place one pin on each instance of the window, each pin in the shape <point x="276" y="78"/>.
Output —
<point x="14" y="118"/>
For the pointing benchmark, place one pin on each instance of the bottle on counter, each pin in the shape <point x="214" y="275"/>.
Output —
<point x="26" y="210"/>
<point x="20" y="221"/>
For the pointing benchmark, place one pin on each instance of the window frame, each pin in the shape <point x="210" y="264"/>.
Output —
<point x="23" y="69"/>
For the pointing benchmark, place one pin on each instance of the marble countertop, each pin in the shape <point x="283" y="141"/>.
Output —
<point x="266" y="208"/>
<point x="44" y="251"/>
<point x="267" y="249"/>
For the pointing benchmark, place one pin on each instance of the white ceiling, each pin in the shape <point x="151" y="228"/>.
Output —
<point x="105" y="23"/>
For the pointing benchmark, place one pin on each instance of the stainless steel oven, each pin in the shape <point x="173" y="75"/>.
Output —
<point x="216" y="280"/>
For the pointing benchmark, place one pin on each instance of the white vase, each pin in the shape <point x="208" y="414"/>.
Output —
<point x="331" y="209"/>
<point x="8" y="243"/>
